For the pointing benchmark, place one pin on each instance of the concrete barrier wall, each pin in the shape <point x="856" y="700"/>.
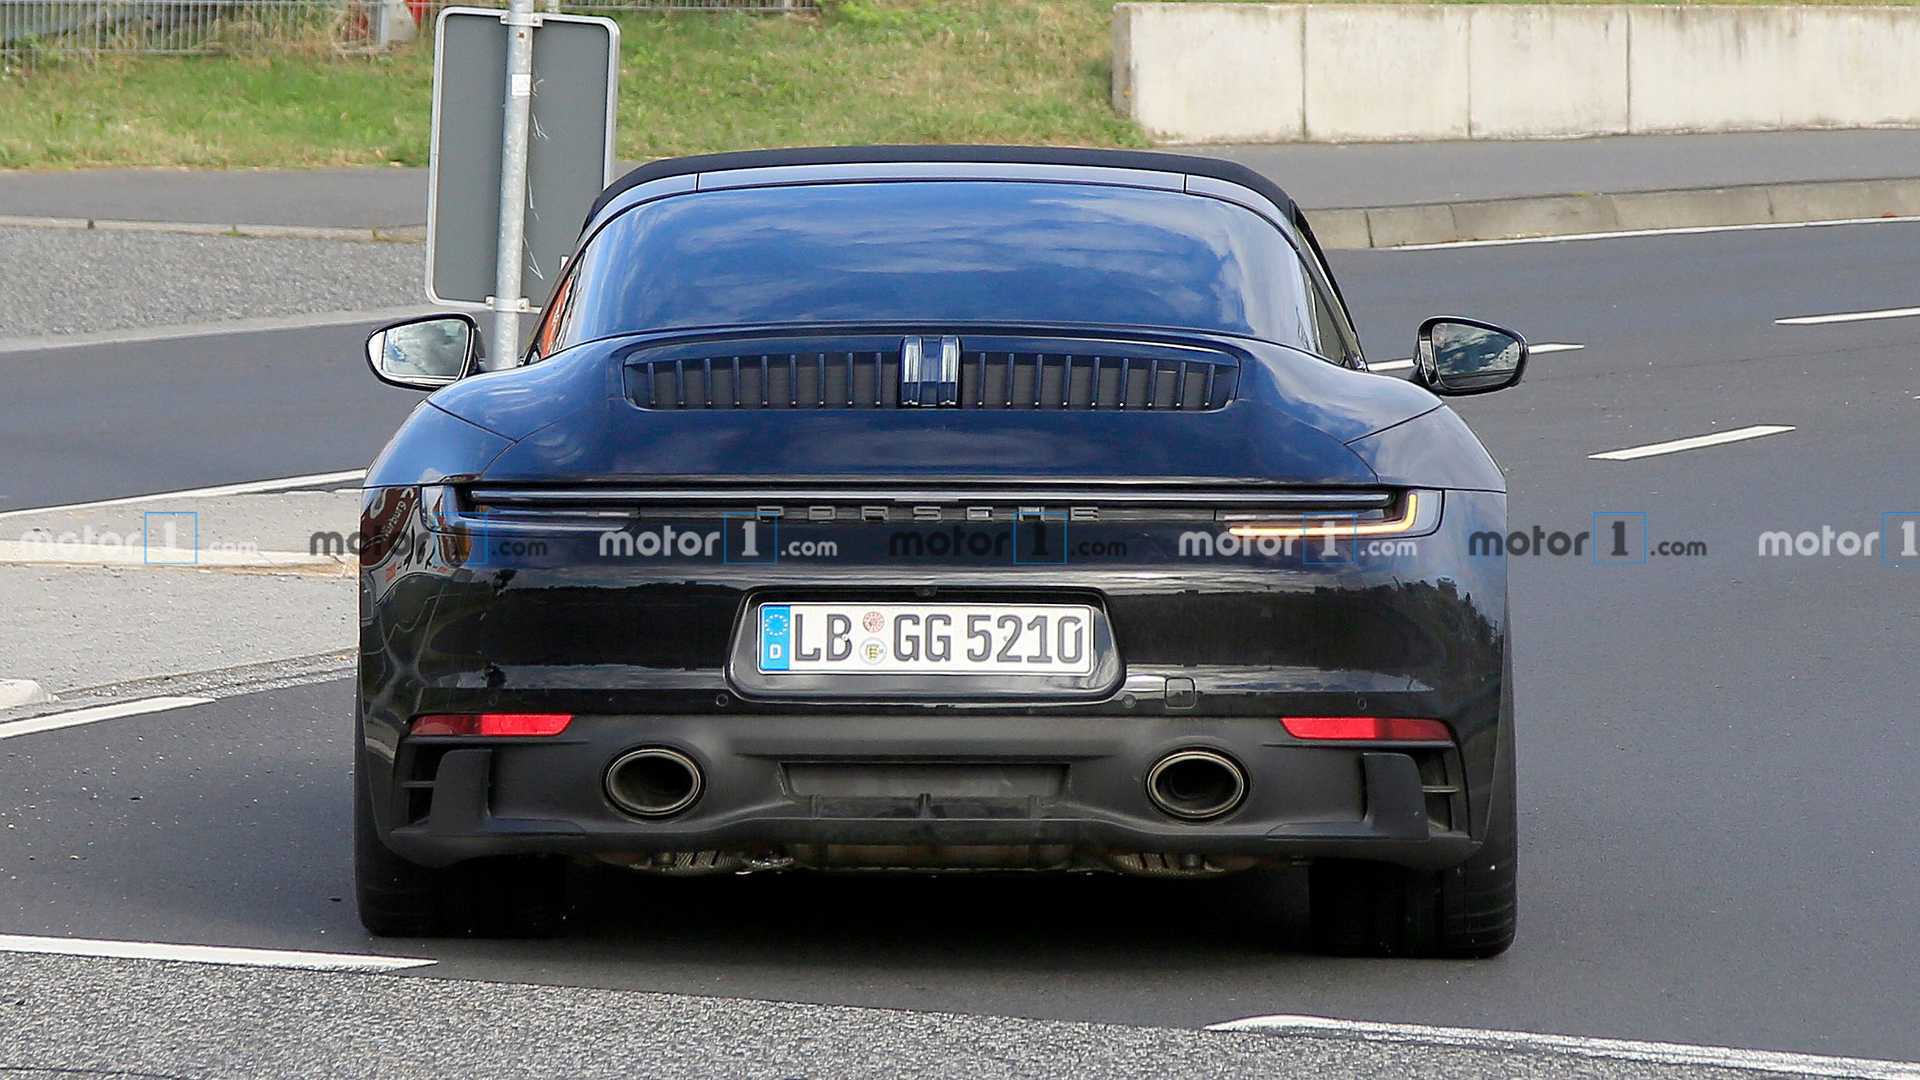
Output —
<point x="1359" y="73"/>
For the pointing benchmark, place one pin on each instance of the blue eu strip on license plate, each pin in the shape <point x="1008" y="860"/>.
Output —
<point x="776" y="637"/>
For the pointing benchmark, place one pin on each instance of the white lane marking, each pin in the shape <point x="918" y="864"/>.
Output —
<point x="1849" y="316"/>
<point x="251" y="487"/>
<point x="133" y="335"/>
<point x="208" y="954"/>
<point x="1628" y="234"/>
<point x="56" y="721"/>
<point x="1543" y="347"/>
<point x="1764" y="1061"/>
<point x="1694" y="443"/>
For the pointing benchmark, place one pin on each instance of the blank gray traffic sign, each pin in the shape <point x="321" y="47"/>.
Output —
<point x="569" y="156"/>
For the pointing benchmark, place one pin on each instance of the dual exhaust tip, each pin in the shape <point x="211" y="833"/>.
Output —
<point x="1196" y="784"/>
<point x="654" y="782"/>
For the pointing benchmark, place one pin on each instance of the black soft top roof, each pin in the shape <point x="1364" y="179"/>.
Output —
<point x="1232" y="172"/>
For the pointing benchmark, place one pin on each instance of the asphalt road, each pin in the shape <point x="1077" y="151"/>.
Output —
<point x="137" y="418"/>
<point x="162" y="1020"/>
<point x="1715" y="750"/>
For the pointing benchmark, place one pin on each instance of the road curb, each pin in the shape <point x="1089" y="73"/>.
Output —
<point x="211" y="683"/>
<point x="15" y="693"/>
<point x="1600" y="213"/>
<point x="398" y="234"/>
<point x="50" y="552"/>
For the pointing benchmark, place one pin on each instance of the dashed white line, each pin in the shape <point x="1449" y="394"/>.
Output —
<point x="1694" y="443"/>
<point x="208" y="954"/>
<point x="1535" y="350"/>
<point x="56" y="721"/>
<point x="251" y="487"/>
<point x="1629" y="234"/>
<point x="1849" y="316"/>
<point x="1660" y="1053"/>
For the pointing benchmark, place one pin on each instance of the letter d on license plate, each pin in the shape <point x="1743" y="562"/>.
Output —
<point x="926" y="639"/>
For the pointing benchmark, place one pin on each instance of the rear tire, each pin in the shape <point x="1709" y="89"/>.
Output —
<point x="518" y="897"/>
<point x="1464" y="912"/>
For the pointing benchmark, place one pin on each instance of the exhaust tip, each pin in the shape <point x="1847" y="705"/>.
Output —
<point x="1196" y="784"/>
<point x="653" y="782"/>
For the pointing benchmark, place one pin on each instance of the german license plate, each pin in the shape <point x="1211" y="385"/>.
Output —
<point x="926" y="639"/>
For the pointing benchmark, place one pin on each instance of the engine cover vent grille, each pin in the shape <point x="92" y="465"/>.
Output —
<point x="933" y="371"/>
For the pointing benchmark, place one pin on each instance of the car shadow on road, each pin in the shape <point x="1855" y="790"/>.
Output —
<point x="849" y="924"/>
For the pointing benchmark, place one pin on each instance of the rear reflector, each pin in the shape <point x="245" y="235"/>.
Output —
<point x="492" y="724"/>
<point x="1366" y="729"/>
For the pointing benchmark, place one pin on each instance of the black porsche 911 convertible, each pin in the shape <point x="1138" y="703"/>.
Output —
<point x="933" y="508"/>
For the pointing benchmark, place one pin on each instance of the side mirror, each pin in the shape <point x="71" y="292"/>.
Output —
<point x="1465" y="356"/>
<point x="425" y="353"/>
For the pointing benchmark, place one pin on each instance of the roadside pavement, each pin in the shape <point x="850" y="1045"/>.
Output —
<point x="363" y="198"/>
<point x="97" y="597"/>
<point x="1488" y="189"/>
<point x="73" y="281"/>
<point x="1323" y="176"/>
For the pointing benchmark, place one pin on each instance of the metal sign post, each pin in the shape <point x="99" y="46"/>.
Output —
<point x="523" y="112"/>
<point x="506" y="299"/>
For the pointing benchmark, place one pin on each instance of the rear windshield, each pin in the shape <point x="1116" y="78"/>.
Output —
<point x="940" y="252"/>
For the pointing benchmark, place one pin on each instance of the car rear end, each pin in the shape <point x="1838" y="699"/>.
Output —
<point x="1048" y="545"/>
<point x="1156" y="667"/>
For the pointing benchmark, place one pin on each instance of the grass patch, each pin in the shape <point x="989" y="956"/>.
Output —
<point x="219" y="112"/>
<point x="1027" y="71"/>
<point x="911" y="71"/>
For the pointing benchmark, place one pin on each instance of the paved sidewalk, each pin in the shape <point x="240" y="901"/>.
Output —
<point x="69" y="281"/>
<point x="366" y="198"/>
<point x="1320" y="176"/>
<point x="98" y="596"/>
<point x="1400" y="174"/>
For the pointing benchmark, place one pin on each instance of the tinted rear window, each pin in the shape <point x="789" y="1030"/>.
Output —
<point x="940" y="252"/>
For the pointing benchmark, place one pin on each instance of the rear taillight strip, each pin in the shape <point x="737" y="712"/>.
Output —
<point x="952" y="495"/>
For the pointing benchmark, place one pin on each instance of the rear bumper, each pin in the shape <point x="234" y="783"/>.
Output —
<point x="1212" y="652"/>
<point x="1074" y="785"/>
